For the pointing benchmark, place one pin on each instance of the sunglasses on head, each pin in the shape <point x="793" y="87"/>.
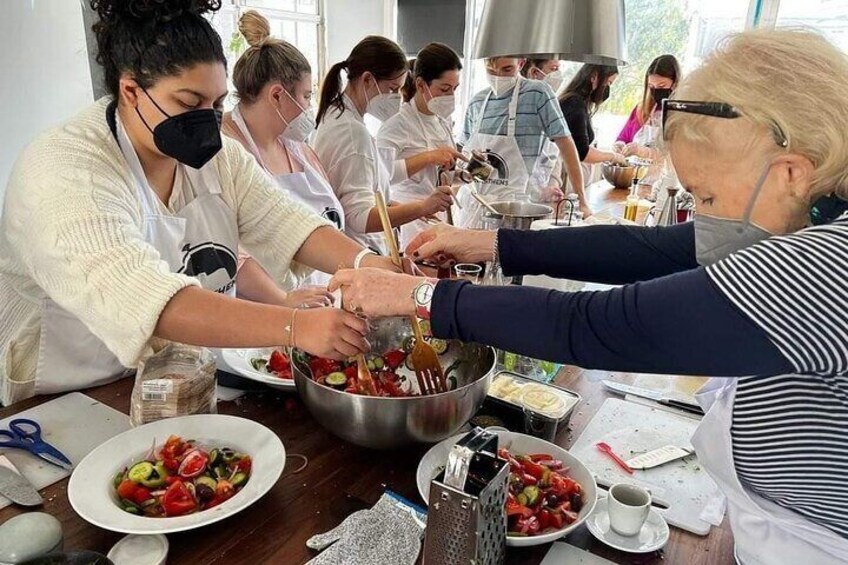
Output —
<point x="716" y="110"/>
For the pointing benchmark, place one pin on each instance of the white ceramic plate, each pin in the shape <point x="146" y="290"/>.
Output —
<point x="239" y="362"/>
<point x="653" y="535"/>
<point x="434" y="460"/>
<point x="92" y="494"/>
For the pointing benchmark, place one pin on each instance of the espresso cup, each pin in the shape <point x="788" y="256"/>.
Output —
<point x="629" y="506"/>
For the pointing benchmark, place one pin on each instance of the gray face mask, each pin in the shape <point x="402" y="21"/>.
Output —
<point x="716" y="238"/>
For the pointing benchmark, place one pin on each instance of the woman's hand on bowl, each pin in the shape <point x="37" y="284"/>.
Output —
<point x="331" y="333"/>
<point x="445" y="244"/>
<point x="376" y="293"/>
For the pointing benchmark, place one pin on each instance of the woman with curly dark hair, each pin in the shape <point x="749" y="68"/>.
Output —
<point x="123" y="224"/>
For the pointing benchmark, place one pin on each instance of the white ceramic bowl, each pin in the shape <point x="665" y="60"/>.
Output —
<point x="238" y="360"/>
<point x="91" y="491"/>
<point x="434" y="460"/>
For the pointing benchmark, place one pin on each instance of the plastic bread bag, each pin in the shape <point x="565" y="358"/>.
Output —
<point x="177" y="380"/>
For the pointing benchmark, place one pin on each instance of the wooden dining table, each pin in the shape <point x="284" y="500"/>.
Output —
<point x="341" y="478"/>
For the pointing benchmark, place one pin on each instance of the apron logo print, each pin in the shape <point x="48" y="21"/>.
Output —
<point x="332" y="215"/>
<point x="499" y="164"/>
<point x="214" y="264"/>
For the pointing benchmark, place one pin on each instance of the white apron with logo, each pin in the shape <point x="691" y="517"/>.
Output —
<point x="201" y="241"/>
<point x="765" y="533"/>
<point x="511" y="180"/>
<point x="310" y="187"/>
<point x="510" y="177"/>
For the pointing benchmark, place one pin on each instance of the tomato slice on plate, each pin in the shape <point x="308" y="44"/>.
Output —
<point x="278" y="362"/>
<point x="177" y="500"/>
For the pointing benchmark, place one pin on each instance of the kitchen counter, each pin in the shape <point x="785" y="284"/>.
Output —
<point x="342" y="478"/>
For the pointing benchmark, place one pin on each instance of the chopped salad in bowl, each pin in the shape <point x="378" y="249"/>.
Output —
<point x="181" y="477"/>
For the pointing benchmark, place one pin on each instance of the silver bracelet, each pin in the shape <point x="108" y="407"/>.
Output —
<point x="495" y="251"/>
<point x="357" y="262"/>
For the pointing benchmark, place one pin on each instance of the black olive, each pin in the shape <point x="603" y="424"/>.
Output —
<point x="576" y="502"/>
<point x="204" y="493"/>
<point x="552" y="500"/>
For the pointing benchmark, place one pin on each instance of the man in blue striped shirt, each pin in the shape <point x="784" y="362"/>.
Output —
<point x="538" y="119"/>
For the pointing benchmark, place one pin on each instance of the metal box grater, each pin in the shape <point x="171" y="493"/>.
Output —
<point x="466" y="519"/>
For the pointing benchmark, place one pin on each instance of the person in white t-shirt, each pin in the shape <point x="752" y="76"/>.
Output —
<point x="376" y="70"/>
<point x="421" y="133"/>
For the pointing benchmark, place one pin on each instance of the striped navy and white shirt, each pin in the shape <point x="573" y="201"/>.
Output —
<point x="777" y="310"/>
<point x="790" y="432"/>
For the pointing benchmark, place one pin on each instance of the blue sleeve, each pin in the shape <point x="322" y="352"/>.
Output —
<point x="550" y="113"/>
<point x="602" y="254"/>
<point x="680" y="324"/>
<point x="468" y="122"/>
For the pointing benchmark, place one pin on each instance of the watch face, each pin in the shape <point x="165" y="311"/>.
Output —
<point x="424" y="294"/>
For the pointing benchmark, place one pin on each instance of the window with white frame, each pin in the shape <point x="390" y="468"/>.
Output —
<point x="300" y="22"/>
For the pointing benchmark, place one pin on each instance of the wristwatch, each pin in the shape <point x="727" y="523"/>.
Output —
<point x="423" y="297"/>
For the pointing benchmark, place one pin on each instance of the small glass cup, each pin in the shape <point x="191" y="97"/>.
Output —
<point x="468" y="271"/>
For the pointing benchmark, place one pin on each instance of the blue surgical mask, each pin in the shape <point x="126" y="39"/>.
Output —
<point x="716" y="238"/>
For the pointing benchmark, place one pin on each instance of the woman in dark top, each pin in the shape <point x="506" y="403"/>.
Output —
<point x="747" y="292"/>
<point x="589" y="88"/>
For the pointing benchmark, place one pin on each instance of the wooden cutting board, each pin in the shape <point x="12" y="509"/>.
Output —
<point x="74" y="424"/>
<point x="632" y="429"/>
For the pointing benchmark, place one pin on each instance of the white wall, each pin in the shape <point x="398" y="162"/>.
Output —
<point x="44" y="72"/>
<point x="348" y="21"/>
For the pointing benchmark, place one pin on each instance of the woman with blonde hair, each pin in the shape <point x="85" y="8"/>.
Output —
<point x="273" y="120"/>
<point x="749" y="292"/>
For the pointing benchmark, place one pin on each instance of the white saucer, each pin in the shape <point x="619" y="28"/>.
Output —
<point x="653" y="536"/>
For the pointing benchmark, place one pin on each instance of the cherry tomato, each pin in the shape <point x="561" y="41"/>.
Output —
<point x="177" y="500"/>
<point x="278" y="362"/>
<point x="193" y="464"/>
<point x="173" y="448"/>
<point x="140" y="495"/>
<point x="245" y="465"/>
<point x="394" y="359"/>
<point x="126" y="489"/>
<point x="322" y="367"/>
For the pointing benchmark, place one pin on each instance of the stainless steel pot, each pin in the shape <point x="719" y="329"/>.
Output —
<point x="618" y="175"/>
<point x="383" y="423"/>
<point x="519" y="215"/>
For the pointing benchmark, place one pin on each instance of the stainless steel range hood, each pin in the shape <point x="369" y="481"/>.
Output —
<point x="589" y="31"/>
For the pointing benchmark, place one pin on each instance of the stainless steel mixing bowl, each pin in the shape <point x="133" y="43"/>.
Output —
<point x="519" y="215"/>
<point x="619" y="176"/>
<point x="383" y="423"/>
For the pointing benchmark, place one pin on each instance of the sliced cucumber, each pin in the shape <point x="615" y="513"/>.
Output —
<point x="259" y="363"/>
<point x="336" y="380"/>
<point x="379" y="363"/>
<point x="440" y="346"/>
<point x="157" y="477"/>
<point x="119" y="478"/>
<point x="214" y="455"/>
<point x="208" y="481"/>
<point x="239" y="479"/>
<point x="140" y="471"/>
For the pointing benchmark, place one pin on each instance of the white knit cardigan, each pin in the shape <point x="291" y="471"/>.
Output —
<point x="71" y="230"/>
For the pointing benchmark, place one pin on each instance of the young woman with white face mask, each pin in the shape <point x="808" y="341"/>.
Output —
<point x="376" y="69"/>
<point x="420" y="133"/>
<point x="545" y="70"/>
<point x="273" y="120"/>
